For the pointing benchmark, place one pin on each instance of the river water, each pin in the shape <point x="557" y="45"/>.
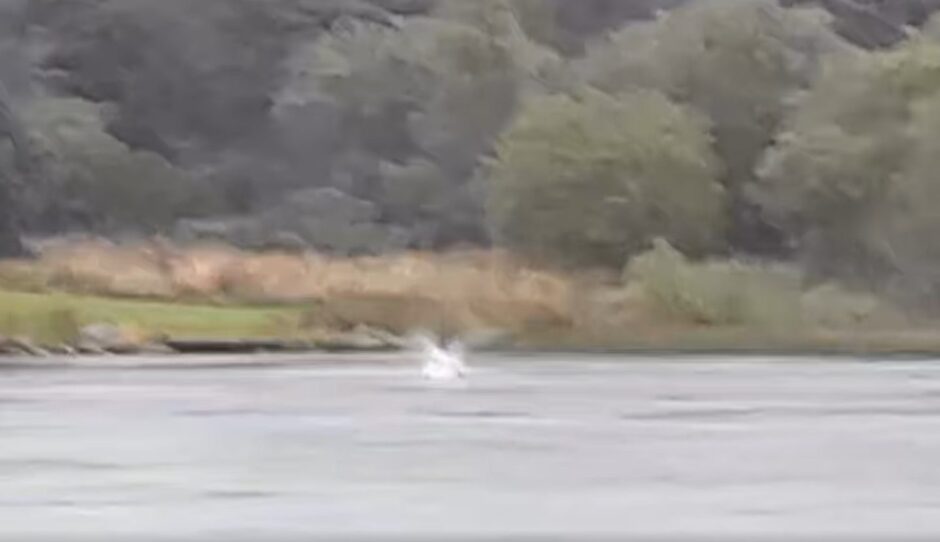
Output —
<point x="585" y="446"/>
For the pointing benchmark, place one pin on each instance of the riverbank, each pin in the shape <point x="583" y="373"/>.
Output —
<point x="39" y="325"/>
<point x="44" y="325"/>
<point x="97" y="297"/>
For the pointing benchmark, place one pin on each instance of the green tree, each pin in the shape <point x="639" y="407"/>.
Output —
<point x="427" y="100"/>
<point x="740" y="62"/>
<point x="11" y="146"/>
<point x="852" y="179"/>
<point x="593" y="179"/>
<point x="117" y="188"/>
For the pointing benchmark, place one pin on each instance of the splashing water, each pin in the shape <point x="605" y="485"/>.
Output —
<point x="440" y="363"/>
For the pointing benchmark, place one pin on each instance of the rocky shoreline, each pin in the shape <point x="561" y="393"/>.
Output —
<point x="361" y="346"/>
<point x="102" y="340"/>
<point x="109" y="340"/>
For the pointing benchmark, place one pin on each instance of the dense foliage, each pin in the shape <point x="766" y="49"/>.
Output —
<point x="571" y="131"/>
<point x="595" y="178"/>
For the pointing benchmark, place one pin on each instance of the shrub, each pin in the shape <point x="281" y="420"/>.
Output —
<point x="831" y="306"/>
<point x="717" y="292"/>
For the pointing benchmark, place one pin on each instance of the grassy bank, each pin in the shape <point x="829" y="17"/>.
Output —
<point x="663" y="302"/>
<point x="55" y="318"/>
<point x="52" y="318"/>
<point x="306" y="293"/>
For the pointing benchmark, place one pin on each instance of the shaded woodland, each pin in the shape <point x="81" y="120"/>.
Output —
<point x="573" y="132"/>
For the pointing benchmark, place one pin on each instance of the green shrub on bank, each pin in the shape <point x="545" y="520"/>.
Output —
<point x="830" y="306"/>
<point x="728" y="293"/>
<point x="734" y="293"/>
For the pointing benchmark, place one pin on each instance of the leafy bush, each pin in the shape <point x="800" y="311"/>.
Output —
<point x="717" y="292"/>
<point x="833" y="307"/>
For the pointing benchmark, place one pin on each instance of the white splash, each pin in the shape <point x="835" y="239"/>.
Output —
<point x="441" y="363"/>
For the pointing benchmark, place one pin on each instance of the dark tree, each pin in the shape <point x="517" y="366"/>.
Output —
<point x="11" y="147"/>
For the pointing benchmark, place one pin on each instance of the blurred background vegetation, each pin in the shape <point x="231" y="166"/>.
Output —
<point x="782" y="146"/>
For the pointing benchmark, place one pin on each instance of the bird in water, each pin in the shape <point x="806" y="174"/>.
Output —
<point x="441" y="362"/>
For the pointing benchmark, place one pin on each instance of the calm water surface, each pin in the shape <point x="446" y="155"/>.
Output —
<point x="562" y="444"/>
